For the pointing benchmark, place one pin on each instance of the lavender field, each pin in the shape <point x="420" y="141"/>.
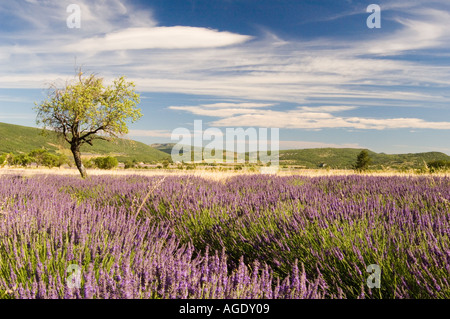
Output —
<point x="254" y="236"/>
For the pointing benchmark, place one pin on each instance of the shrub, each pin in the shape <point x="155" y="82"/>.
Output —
<point x="50" y="160"/>
<point x="439" y="165"/>
<point x="22" y="160"/>
<point x="129" y="164"/>
<point x="38" y="156"/>
<point x="63" y="159"/>
<point x="88" y="163"/>
<point x="165" y="163"/>
<point x="108" y="162"/>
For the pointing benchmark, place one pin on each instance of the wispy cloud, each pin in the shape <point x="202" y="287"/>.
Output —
<point x="304" y="117"/>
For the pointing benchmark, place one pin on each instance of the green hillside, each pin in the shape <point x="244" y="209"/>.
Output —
<point x="21" y="139"/>
<point x="342" y="158"/>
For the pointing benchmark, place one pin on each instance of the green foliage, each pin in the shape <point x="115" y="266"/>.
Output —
<point x="165" y="163"/>
<point x="50" y="160"/>
<point x="108" y="162"/>
<point x="22" y="160"/>
<point x="88" y="163"/>
<point x="20" y="139"/>
<point x="344" y="158"/>
<point x="84" y="109"/>
<point x="439" y="165"/>
<point x="10" y="159"/>
<point x="362" y="161"/>
<point x="38" y="156"/>
<point x="63" y="159"/>
<point x="90" y="107"/>
<point x="130" y="164"/>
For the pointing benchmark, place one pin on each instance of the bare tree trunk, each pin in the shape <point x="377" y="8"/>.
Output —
<point x="77" y="157"/>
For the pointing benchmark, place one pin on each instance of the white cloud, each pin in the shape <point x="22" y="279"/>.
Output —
<point x="302" y="120"/>
<point x="178" y="37"/>
<point x="305" y="118"/>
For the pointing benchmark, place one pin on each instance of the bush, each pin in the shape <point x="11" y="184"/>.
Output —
<point x="63" y="159"/>
<point x="22" y="160"/>
<point x="129" y="164"/>
<point x="38" y="156"/>
<point x="165" y="163"/>
<point x="108" y="162"/>
<point x="439" y="165"/>
<point x="50" y="160"/>
<point x="88" y="163"/>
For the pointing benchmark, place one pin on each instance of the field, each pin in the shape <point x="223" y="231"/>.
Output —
<point x="201" y="234"/>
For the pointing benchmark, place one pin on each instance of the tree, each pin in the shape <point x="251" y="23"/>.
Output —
<point x="86" y="110"/>
<point x="362" y="161"/>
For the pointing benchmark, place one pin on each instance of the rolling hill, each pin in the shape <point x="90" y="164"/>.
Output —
<point x="21" y="139"/>
<point x="342" y="158"/>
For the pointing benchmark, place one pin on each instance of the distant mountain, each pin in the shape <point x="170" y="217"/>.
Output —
<point x="342" y="158"/>
<point x="22" y="139"/>
<point x="166" y="148"/>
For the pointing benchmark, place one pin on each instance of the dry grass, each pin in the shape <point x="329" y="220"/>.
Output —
<point x="214" y="175"/>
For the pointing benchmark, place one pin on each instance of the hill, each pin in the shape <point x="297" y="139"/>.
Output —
<point x="21" y="139"/>
<point x="342" y="158"/>
<point x="166" y="147"/>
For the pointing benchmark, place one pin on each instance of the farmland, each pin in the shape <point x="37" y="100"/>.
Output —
<point x="207" y="235"/>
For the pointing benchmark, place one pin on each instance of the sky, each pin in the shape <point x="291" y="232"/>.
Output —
<point x="313" y="69"/>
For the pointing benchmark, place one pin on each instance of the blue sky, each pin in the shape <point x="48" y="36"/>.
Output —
<point x="313" y="69"/>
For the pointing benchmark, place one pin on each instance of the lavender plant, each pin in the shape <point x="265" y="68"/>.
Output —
<point x="254" y="236"/>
